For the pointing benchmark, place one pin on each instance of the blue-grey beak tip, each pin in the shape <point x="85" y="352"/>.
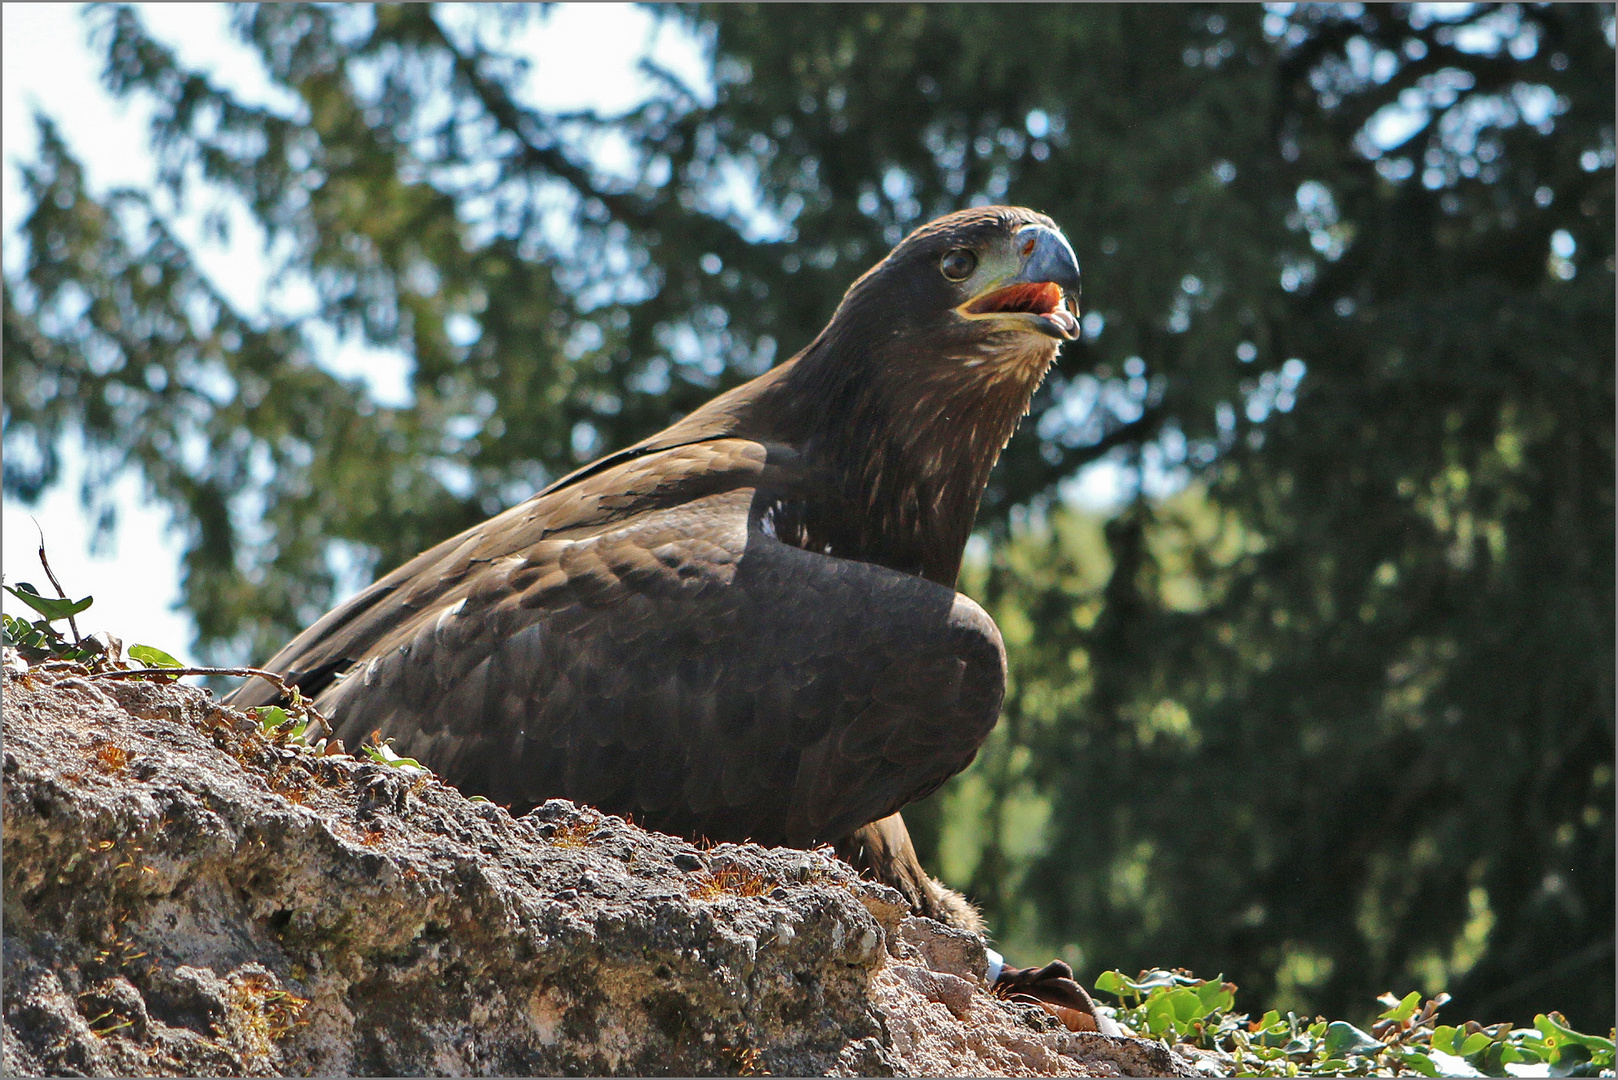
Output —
<point x="1051" y="259"/>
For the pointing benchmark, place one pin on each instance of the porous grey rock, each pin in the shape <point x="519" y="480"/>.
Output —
<point x="183" y="896"/>
<point x="943" y="948"/>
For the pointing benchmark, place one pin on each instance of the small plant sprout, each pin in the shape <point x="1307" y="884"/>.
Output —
<point x="378" y="750"/>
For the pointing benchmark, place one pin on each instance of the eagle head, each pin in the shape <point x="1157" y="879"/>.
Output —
<point x="988" y="279"/>
<point x="915" y="385"/>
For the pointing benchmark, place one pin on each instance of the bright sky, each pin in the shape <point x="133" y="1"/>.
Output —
<point x="583" y="56"/>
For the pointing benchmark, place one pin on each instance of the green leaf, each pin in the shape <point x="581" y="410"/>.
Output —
<point x="1511" y="1055"/>
<point x="1528" y="1054"/>
<point x="1474" y="1042"/>
<point x="1555" y="1024"/>
<point x="1405" y="1009"/>
<point x="1415" y="1059"/>
<point x="24" y="636"/>
<point x="1159" y="1016"/>
<point x="1215" y="995"/>
<point x="271" y="717"/>
<point x="1444" y="1038"/>
<point x="1114" y="982"/>
<point x="152" y="657"/>
<point x="49" y="607"/>
<point x="384" y="755"/>
<point x="1186" y="1004"/>
<point x="1574" y="1060"/>
<point x="1344" y="1038"/>
<point x="1273" y="1030"/>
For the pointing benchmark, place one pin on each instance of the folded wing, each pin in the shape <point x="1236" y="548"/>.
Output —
<point x="638" y="641"/>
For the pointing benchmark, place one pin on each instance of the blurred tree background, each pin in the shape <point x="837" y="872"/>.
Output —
<point x="1325" y="704"/>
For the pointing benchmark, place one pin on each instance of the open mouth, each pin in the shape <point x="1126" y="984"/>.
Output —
<point x="1055" y="313"/>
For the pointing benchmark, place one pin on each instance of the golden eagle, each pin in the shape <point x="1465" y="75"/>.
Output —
<point x="746" y="626"/>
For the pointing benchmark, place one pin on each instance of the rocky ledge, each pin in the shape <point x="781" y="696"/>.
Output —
<point x="184" y="896"/>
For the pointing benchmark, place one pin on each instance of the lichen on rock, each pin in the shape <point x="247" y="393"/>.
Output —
<point x="184" y="896"/>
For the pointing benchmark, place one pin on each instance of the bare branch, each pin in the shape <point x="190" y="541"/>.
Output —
<point x="241" y="672"/>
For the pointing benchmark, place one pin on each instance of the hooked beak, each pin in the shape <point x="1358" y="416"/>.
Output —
<point x="1044" y="292"/>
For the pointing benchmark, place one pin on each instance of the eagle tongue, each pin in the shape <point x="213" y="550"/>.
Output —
<point x="1037" y="298"/>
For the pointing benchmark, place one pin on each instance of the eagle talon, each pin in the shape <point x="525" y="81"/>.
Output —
<point x="1054" y="989"/>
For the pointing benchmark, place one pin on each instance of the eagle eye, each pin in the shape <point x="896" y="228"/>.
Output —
<point x="958" y="264"/>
